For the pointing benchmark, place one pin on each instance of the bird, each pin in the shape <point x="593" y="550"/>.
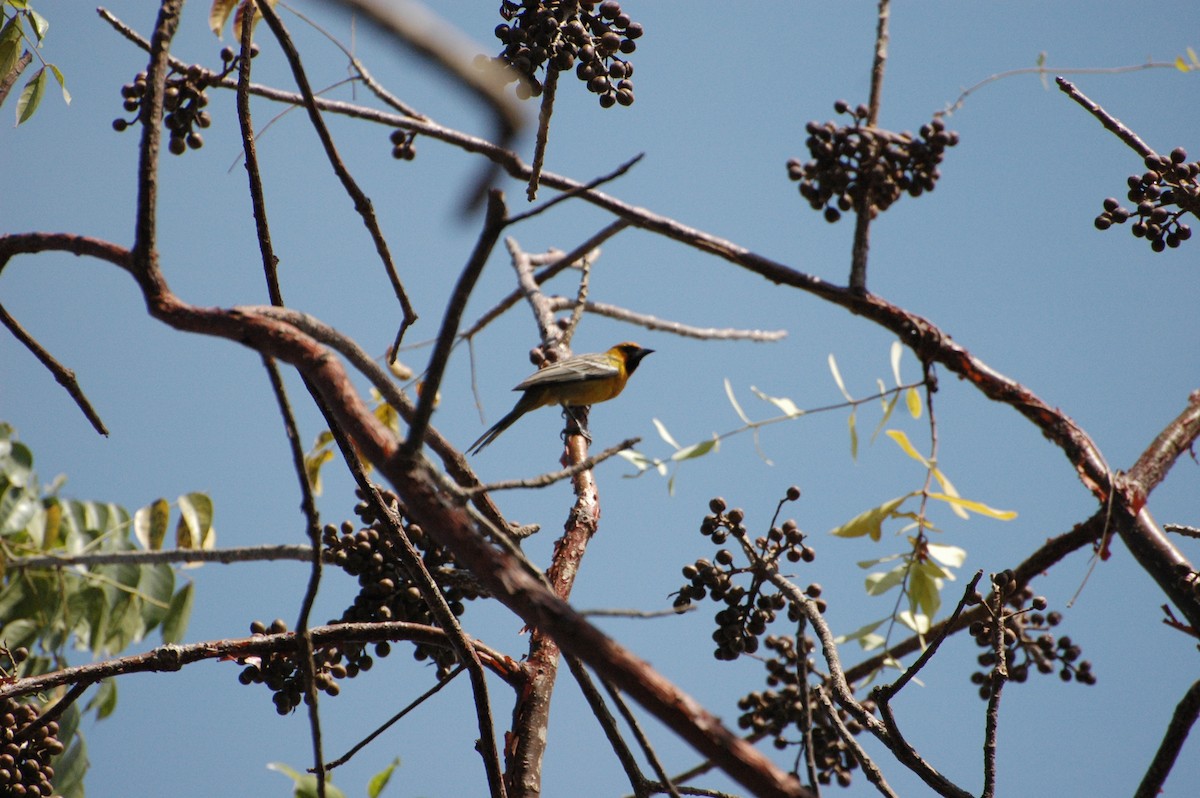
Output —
<point x="574" y="382"/>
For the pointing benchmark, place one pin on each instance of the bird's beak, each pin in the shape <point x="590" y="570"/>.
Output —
<point x="632" y="361"/>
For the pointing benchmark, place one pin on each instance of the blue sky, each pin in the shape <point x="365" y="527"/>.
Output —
<point x="1002" y="256"/>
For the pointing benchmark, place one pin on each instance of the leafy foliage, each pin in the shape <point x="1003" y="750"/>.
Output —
<point x="102" y="606"/>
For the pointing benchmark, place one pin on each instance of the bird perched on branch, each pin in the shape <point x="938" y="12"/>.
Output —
<point x="574" y="382"/>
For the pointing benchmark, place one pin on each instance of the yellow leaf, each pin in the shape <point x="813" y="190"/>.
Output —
<point x="853" y="434"/>
<point x="975" y="507"/>
<point x="902" y="441"/>
<point x="219" y="13"/>
<point x="869" y="522"/>
<point x="1182" y="65"/>
<point x="913" y="397"/>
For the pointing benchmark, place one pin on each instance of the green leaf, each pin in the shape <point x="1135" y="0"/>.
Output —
<point x="195" y="530"/>
<point x="883" y="581"/>
<point x="10" y="46"/>
<point x="62" y="82"/>
<point x="305" y="783"/>
<point x="31" y="96"/>
<point x="40" y="24"/>
<point x="175" y="623"/>
<point x="105" y="699"/>
<point x="837" y="378"/>
<point x="853" y="434"/>
<point x="380" y="779"/>
<point x="150" y="524"/>
<point x="924" y="591"/>
<point x="697" y="449"/>
<point x="155" y="587"/>
<point x="871" y="521"/>
<point x="917" y="622"/>
<point x="662" y="433"/>
<point x="888" y="406"/>
<point x="865" y="635"/>
<point x="737" y="408"/>
<point x="975" y="507"/>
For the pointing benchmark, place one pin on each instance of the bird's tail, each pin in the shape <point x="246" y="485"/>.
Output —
<point x="497" y="428"/>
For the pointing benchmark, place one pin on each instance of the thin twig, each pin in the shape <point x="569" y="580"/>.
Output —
<point x="864" y="211"/>
<point x="943" y="632"/>
<point x="1109" y="121"/>
<point x="545" y="110"/>
<point x="144" y="254"/>
<point x="60" y="706"/>
<point x="608" y="724"/>
<point x="543" y="480"/>
<point x="999" y="676"/>
<point x="675" y="327"/>
<point x="442" y="45"/>
<point x="62" y="375"/>
<point x="414" y="566"/>
<point x="565" y="261"/>
<point x="1182" y="721"/>
<point x="575" y="192"/>
<point x="869" y="768"/>
<point x="387" y="724"/>
<point x="639" y="735"/>
<point x="488" y="236"/>
<point x="362" y="203"/>
<point x="1043" y="71"/>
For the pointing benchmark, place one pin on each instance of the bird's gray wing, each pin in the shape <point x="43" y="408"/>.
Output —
<point x="573" y="369"/>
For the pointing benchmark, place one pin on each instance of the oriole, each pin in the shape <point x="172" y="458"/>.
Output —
<point x="574" y="382"/>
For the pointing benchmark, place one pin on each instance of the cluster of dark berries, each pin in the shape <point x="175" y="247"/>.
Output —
<point x="27" y="747"/>
<point x="403" y="148"/>
<point x="559" y="34"/>
<point x="781" y="709"/>
<point x="749" y="609"/>
<point x="386" y="593"/>
<point x="1167" y="190"/>
<point x="184" y="99"/>
<point x="280" y="671"/>
<point x="856" y="162"/>
<point x="1028" y="643"/>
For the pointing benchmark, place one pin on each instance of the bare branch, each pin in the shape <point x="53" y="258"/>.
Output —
<point x="677" y="328"/>
<point x="62" y="375"/>
<point x="173" y="657"/>
<point x="1178" y="729"/>
<point x="1109" y="121"/>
